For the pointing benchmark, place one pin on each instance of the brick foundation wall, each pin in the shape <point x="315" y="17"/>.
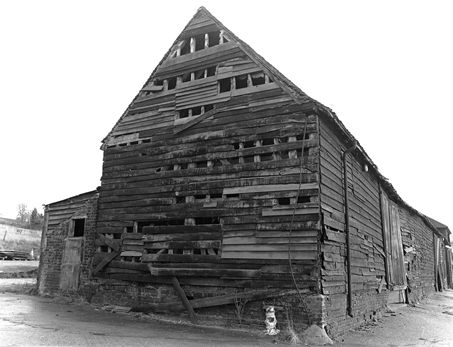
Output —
<point x="289" y="309"/>
<point x="366" y="306"/>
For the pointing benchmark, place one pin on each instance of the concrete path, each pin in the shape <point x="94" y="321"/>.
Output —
<point x="29" y="320"/>
<point x="426" y="324"/>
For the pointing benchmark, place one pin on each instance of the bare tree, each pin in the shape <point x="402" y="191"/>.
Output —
<point x="23" y="215"/>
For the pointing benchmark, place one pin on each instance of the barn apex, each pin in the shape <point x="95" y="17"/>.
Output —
<point x="224" y="184"/>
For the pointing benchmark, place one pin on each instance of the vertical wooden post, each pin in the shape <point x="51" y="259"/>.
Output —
<point x="183" y="297"/>
<point x="293" y="153"/>
<point x="221" y="36"/>
<point x="249" y="80"/>
<point x="256" y="157"/>
<point x="206" y="40"/>
<point x="241" y="158"/>
<point x="192" y="44"/>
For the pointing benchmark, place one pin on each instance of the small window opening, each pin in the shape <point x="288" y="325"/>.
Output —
<point x="159" y="169"/>
<point x="186" y="77"/>
<point x="184" y="166"/>
<point x="199" y="42"/>
<point x="177" y="251"/>
<point x="158" y="82"/>
<point x="258" y="78"/>
<point x="241" y="81"/>
<point x="168" y="222"/>
<point x="180" y="199"/>
<point x="202" y="163"/>
<point x="214" y="38"/>
<point x="284" y="155"/>
<point x="146" y="141"/>
<point x="216" y="196"/>
<point x="236" y="145"/>
<point x="200" y="197"/>
<point x="268" y="142"/>
<point x="225" y="85"/>
<point x="79" y="227"/>
<point x="233" y="160"/>
<point x="197" y="251"/>
<point x="184" y="113"/>
<point x="199" y="74"/>
<point x="299" y="152"/>
<point x="134" y="143"/>
<point x="111" y="146"/>
<point x="196" y="111"/>
<point x="284" y="201"/>
<point x="301" y="137"/>
<point x="303" y="199"/>
<point x="207" y="220"/>
<point x="232" y="196"/>
<point x="249" y="144"/>
<point x="266" y="156"/>
<point x="283" y="139"/>
<point x="129" y="229"/>
<point x="143" y="154"/>
<point x="104" y="249"/>
<point x="185" y="49"/>
<point x="171" y="83"/>
<point x="210" y="71"/>
<point x="116" y="236"/>
<point x="122" y="145"/>
<point x="208" y="108"/>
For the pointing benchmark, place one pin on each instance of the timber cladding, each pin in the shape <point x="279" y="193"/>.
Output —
<point x="59" y="219"/>
<point x="212" y="173"/>
<point x="224" y="184"/>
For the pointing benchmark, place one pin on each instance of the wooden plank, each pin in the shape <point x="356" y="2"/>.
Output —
<point x="179" y="229"/>
<point x="269" y="188"/>
<point x="251" y="295"/>
<point x="107" y="259"/>
<point x="289" y="212"/>
<point x="184" y="245"/>
<point x="184" y="300"/>
<point x="196" y="236"/>
<point x="196" y="272"/>
<point x="183" y="258"/>
<point x="194" y="121"/>
<point x="303" y="255"/>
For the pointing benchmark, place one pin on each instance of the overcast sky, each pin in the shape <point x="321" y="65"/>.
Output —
<point x="68" y="70"/>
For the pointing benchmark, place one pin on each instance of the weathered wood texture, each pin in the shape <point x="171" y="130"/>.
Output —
<point x="57" y="265"/>
<point x="365" y="220"/>
<point x="204" y="167"/>
<point x="418" y="245"/>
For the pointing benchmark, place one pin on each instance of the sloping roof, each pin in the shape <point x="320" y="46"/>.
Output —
<point x="308" y="104"/>
<point x="75" y="197"/>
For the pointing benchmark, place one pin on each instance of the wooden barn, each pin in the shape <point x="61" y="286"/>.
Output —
<point x="225" y="188"/>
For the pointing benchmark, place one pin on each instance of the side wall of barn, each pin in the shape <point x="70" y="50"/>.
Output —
<point x="367" y="245"/>
<point x="418" y="244"/>
<point x="58" y="229"/>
